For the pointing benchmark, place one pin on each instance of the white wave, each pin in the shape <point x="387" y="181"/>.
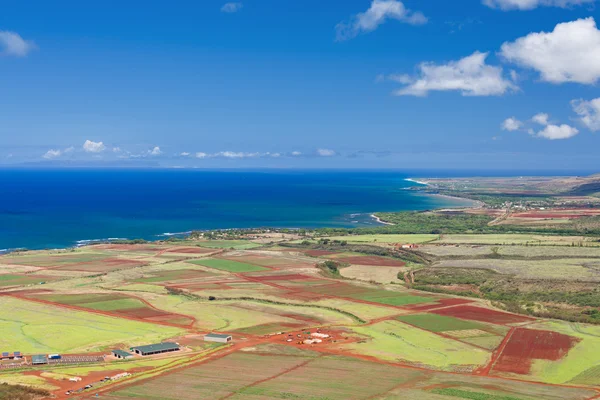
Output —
<point x="175" y="233"/>
<point x="415" y="181"/>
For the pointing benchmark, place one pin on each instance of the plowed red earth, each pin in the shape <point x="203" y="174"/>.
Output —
<point x="372" y="260"/>
<point x="482" y="314"/>
<point x="317" y="253"/>
<point x="440" y="303"/>
<point x="190" y="250"/>
<point x="526" y="345"/>
<point x="290" y="277"/>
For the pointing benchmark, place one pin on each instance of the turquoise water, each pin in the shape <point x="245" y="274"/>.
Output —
<point x="62" y="208"/>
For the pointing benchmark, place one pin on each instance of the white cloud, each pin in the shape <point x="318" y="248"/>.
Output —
<point x="93" y="147"/>
<point x="555" y="132"/>
<point x="116" y="150"/>
<point x="69" y="150"/>
<point x="155" y="151"/>
<point x="233" y="154"/>
<point x="325" y="152"/>
<point x="184" y="154"/>
<point x="296" y="153"/>
<point x="589" y="113"/>
<point x="470" y="75"/>
<point x="531" y="4"/>
<point x="570" y="53"/>
<point x="511" y="124"/>
<point x="52" y="154"/>
<point x="232" y="7"/>
<point x="13" y="44"/>
<point x="201" y="155"/>
<point x="541" y="118"/>
<point x="377" y="14"/>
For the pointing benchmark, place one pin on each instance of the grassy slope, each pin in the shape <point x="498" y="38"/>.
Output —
<point x="393" y="340"/>
<point x="37" y="328"/>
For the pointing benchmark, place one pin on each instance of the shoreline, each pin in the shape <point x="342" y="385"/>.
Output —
<point x="379" y="220"/>
<point x="415" y="181"/>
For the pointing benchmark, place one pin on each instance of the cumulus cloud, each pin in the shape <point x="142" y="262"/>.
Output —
<point x="377" y="14"/>
<point x="13" y="44"/>
<point x="52" y="154"/>
<point x="234" y="154"/>
<point x="570" y="53"/>
<point x="541" y="118"/>
<point x="232" y="7"/>
<point x="470" y="75"/>
<point x="201" y="155"/>
<point x="296" y="153"/>
<point x="589" y="113"/>
<point x="325" y="152"/>
<point x="552" y="131"/>
<point x="155" y="151"/>
<point x="184" y="154"/>
<point x="511" y="124"/>
<point x="556" y="132"/>
<point x="116" y="150"/>
<point x="93" y="147"/>
<point x="531" y="4"/>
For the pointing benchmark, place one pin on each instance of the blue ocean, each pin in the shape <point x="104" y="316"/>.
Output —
<point x="42" y="209"/>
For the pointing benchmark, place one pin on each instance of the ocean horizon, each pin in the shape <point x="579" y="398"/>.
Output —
<point x="59" y="208"/>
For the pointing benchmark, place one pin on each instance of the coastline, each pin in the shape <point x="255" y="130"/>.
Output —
<point x="379" y="220"/>
<point x="415" y="181"/>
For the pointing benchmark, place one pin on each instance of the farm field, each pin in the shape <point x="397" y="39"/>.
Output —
<point x="228" y="265"/>
<point x="386" y="239"/>
<point x="531" y="251"/>
<point x="402" y="340"/>
<point x="583" y="269"/>
<point x="34" y="328"/>
<point x="515" y="239"/>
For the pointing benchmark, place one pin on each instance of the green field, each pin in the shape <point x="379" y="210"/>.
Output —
<point x="392" y="238"/>
<point x="18" y="280"/>
<point x="228" y="265"/>
<point x="515" y="239"/>
<point x="395" y="341"/>
<point x="439" y="323"/>
<point x="38" y="328"/>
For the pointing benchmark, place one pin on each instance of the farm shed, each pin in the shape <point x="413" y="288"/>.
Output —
<point x="121" y="354"/>
<point x="39" y="359"/>
<point x="159" y="348"/>
<point x="215" y="337"/>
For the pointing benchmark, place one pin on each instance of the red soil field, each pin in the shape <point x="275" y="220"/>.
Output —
<point x="526" y="345"/>
<point x="548" y="215"/>
<point x="126" y="247"/>
<point x="372" y="260"/>
<point x="440" y="303"/>
<point x="290" y="277"/>
<point x="190" y="250"/>
<point x="317" y="253"/>
<point x="482" y="315"/>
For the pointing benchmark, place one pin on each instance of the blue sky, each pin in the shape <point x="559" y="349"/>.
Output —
<point x="328" y="84"/>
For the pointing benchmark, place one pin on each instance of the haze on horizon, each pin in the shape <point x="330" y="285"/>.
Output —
<point x="493" y="84"/>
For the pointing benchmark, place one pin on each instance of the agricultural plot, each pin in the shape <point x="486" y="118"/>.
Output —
<point x="39" y="259"/>
<point x="31" y="327"/>
<point x="228" y="244"/>
<point x="359" y="259"/>
<point x="515" y="239"/>
<point x="9" y="280"/>
<point x="173" y="275"/>
<point x="386" y="239"/>
<point x="473" y="313"/>
<point x="561" y="269"/>
<point x="395" y="341"/>
<point x="116" y="304"/>
<point x="526" y="345"/>
<point x="579" y="363"/>
<point x="372" y="274"/>
<point x="359" y="293"/>
<point x="265" y="261"/>
<point x="440" y="323"/>
<point x="228" y="265"/>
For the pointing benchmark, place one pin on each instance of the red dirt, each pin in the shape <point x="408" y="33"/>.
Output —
<point x="440" y="303"/>
<point x="190" y="250"/>
<point x="126" y="247"/>
<point x="290" y="277"/>
<point x="372" y="260"/>
<point x="482" y="315"/>
<point x="317" y="253"/>
<point x="526" y="345"/>
<point x="105" y="265"/>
